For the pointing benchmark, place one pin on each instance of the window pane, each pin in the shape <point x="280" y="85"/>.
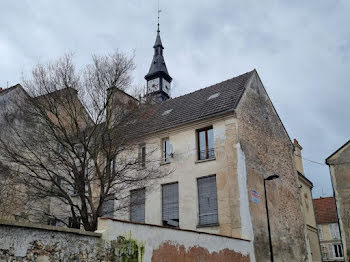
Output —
<point x="137" y="205"/>
<point x="170" y="204"/>
<point x="210" y="143"/>
<point x="207" y="198"/>
<point x="202" y="143"/>
<point x="166" y="150"/>
<point x="108" y="208"/>
<point x="143" y="156"/>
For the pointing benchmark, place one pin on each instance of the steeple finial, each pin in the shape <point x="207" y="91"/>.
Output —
<point x="158" y="17"/>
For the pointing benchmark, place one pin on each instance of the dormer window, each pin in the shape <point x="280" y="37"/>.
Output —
<point x="205" y="138"/>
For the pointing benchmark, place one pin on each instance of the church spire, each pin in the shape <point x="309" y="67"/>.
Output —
<point x="158" y="78"/>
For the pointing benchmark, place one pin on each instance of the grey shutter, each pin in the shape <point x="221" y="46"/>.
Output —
<point x="137" y="205"/>
<point x="108" y="208"/>
<point x="207" y="200"/>
<point x="170" y="204"/>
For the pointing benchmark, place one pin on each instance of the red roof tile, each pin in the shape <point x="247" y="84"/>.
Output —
<point x="325" y="210"/>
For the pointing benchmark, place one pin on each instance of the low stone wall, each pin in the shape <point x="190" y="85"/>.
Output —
<point x="117" y="241"/>
<point x="156" y="243"/>
<point x="31" y="242"/>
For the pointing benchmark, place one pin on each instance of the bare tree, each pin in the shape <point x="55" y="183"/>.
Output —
<point x="74" y="147"/>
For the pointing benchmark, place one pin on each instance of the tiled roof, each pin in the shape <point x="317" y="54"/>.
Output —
<point x="219" y="98"/>
<point x="325" y="210"/>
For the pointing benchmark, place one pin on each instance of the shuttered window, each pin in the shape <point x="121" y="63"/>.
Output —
<point x="108" y="207"/>
<point x="170" y="204"/>
<point x="137" y="205"/>
<point x="207" y="200"/>
<point x="334" y="230"/>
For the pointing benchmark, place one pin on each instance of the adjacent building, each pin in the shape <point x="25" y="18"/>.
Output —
<point x="339" y="166"/>
<point x="328" y="229"/>
<point x="305" y="186"/>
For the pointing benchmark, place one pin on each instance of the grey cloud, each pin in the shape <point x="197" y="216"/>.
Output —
<point x="300" y="48"/>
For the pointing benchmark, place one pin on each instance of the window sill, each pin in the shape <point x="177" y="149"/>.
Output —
<point x="208" y="225"/>
<point x="165" y="163"/>
<point x="205" y="160"/>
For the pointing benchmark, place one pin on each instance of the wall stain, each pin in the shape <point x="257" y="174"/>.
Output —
<point x="170" y="252"/>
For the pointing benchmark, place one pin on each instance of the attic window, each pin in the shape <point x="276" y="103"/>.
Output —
<point x="167" y="112"/>
<point x="213" y="96"/>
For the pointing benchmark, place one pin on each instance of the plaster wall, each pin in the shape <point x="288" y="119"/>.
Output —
<point x="185" y="168"/>
<point x="313" y="244"/>
<point x="167" y="244"/>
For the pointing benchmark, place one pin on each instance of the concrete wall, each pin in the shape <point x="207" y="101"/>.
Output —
<point x="268" y="150"/>
<point x="340" y="174"/>
<point x="176" y="245"/>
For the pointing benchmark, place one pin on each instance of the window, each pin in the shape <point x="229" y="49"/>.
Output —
<point x="205" y="139"/>
<point x="324" y="251"/>
<point x="57" y="181"/>
<point x="60" y="149"/>
<point x="338" y="251"/>
<point x="137" y="205"/>
<point x="334" y="231"/>
<point x="74" y="223"/>
<point x="166" y="150"/>
<point x="320" y="232"/>
<point x="335" y="251"/>
<point x="52" y="221"/>
<point x="207" y="201"/>
<point x="170" y="204"/>
<point x="142" y="155"/>
<point x="79" y="149"/>
<point x="108" y="207"/>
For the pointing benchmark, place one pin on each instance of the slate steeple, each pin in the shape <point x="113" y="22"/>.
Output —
<point x="158" y="78"/>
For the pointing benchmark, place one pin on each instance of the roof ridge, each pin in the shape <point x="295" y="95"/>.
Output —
<point x="212" y="85"/>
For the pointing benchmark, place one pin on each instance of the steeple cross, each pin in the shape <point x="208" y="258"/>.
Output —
<point x="158" y="16"/>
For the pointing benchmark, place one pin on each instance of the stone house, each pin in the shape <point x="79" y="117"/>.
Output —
<point x="339" y="166"/>
<point x="328" y="229"/>
<point x="305" y="186"/>
<point x="220" y="142"/>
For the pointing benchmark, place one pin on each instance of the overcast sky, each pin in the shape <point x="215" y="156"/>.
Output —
<point x="301" y="50"/>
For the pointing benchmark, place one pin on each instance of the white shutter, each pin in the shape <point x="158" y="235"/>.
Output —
<point x="170" y="204"/>
<point x="137" y="205"/>
<point x="324" y="251"/>
<point x="337" y="233"/>
<point x="331" y="251"/>
<point x="207" y="198"/>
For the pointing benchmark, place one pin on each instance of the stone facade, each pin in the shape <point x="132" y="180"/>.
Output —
<point x="268" y="150"/>
<point x="339" y="165"/>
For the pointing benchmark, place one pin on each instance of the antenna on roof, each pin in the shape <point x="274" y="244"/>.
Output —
<point x="158" y="16"/>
